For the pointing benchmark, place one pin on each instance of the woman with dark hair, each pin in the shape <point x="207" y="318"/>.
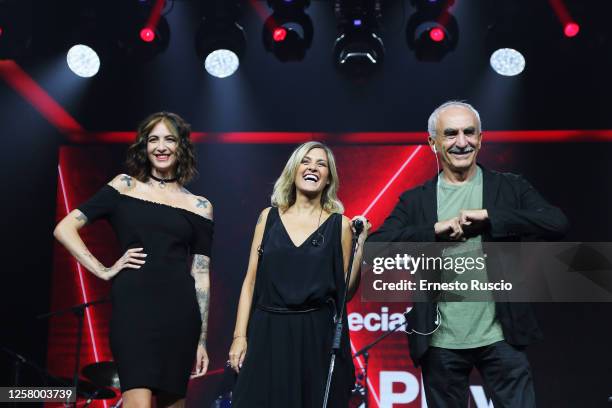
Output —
<point x="292" y="291"/>
<point x="160" y="310"/>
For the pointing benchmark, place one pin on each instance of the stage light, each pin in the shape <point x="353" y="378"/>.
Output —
<point x="220" y="44"/>
<point x="571" y="29"/>
<point x="287" y="32"/>
<point x="221" y="63"/>
<point x="437" y="34"/>
<point x="147" y="34"/>
<point x="359" y="50"/>
<point x="432" y="32"/>
<point x="279" y="34"/>
<point x="142" y="31"/>
<point x="507" y="62"/>
<point x="83" y="61"/>
<point x="509" y="43"/>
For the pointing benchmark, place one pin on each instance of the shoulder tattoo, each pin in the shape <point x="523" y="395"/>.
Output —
<point x="202" y="203"/>
<point x="127" y="180"/>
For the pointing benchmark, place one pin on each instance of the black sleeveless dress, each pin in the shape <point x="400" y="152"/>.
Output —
<point x="297" y="291"/>
<point x="155" y="323"/>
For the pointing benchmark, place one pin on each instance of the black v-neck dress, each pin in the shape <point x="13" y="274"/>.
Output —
<point x="291" y="326"/>
<point x="155" y="323"/>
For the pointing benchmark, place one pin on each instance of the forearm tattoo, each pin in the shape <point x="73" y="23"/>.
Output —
<point x="101" y="268"/>
<point x="202" y="295"/>
<point x="200" y="270"/>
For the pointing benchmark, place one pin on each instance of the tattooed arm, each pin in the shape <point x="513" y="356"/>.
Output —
<point x="200" y="273"/>
<point x="66" y="232"/>
<point x="200" y="268"/>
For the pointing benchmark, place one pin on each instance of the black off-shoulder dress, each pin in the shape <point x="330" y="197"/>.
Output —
<point x="155" y="323"/>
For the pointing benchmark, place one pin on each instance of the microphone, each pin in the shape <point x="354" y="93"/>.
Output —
<point x="358" y="225"/>
<point x="316" y="242"/>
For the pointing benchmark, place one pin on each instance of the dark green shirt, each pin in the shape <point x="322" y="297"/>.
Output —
<point x="464" y="324"/>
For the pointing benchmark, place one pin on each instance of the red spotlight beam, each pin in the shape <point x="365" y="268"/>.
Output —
<point x="269" y="22"/>
<point x="561" y="11"/>
<point x="391" y="180"/>
<point x="445" y="14"/>
<point x="25" y="86"/>
<point x="259" y="8"/>
<point x="570" y="27"/>
<point x="155" y="14"/>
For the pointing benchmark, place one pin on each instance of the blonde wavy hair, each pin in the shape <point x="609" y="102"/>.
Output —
<point x="284" y="192"/>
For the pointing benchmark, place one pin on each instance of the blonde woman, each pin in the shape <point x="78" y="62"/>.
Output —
<point x="292" y="289"/>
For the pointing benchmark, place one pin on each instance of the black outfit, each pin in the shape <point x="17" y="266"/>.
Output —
<point x="296" y="297"/>
<point x="155" y="323"/>
<point x="503" y="367"/>
<point x="517" y="212"/>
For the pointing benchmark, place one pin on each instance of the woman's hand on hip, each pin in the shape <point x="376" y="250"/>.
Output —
<point x="132" y="258"/>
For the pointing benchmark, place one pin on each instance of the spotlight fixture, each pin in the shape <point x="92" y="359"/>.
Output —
<point x="83" y="61"/>
<point x="142" y="30"/>
<point x="147" y="34"/>
<point x="506" y="45"/>
<point x="220" y="44"/>
<point x="507" y="62"/>
<point x="359" y="50"/>
<point x="86" y="46"/>
<point x="220" y="41"/>
<point x="432" y="32"/>
<point x="288" y="31"/>
<point x="571" y="29"/>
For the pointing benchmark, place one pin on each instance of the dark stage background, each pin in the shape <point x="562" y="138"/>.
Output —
<point x="566" y="85"/>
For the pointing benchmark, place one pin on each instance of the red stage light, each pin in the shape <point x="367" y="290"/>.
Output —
<point x="437" y="34"/>
<point x="279" y="34"/>
<point x="571" y="29"/>
<point x="1" y="31"/>
<point x="147" y="34"/>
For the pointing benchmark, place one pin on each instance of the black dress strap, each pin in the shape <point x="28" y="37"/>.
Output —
<point x="270" y="221"/>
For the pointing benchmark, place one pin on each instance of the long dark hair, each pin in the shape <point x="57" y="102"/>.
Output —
<point x="137" y="162"/>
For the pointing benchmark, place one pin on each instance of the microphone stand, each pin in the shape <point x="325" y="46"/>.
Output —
<point x="79" y="312"/>
<point x="364" y="351"/>
<point x="358" y="224"/>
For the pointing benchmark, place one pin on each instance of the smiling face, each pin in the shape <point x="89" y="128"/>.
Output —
<point x="161" y="149"/>
<point x="312" y="175"/>
<point x="458" y="139"/>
